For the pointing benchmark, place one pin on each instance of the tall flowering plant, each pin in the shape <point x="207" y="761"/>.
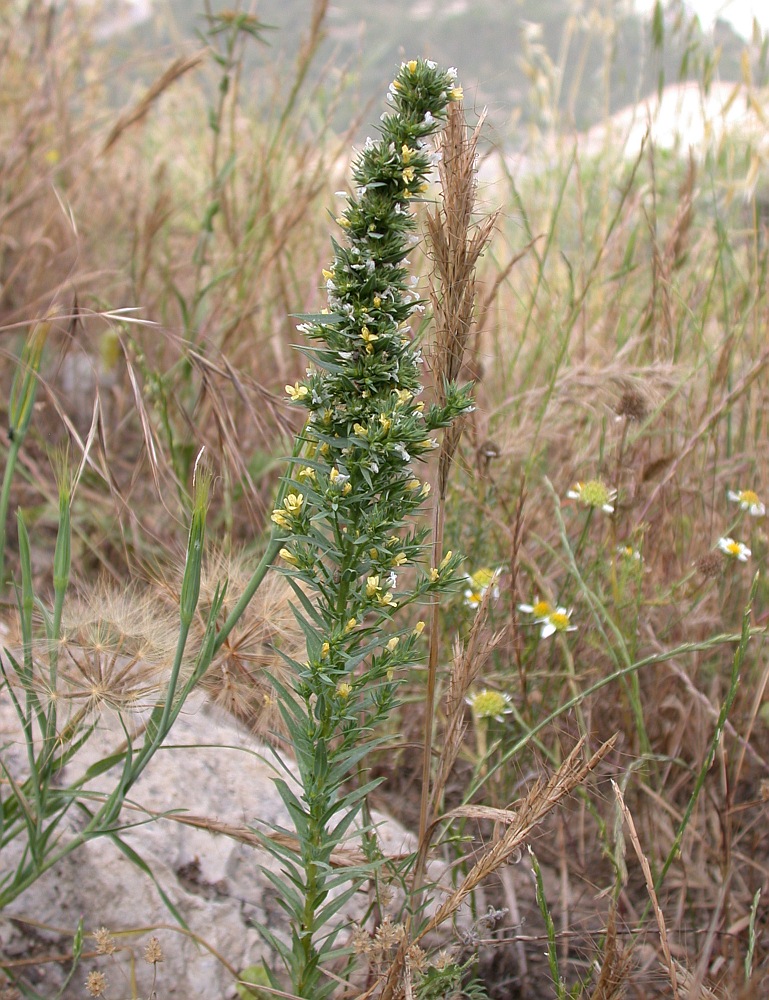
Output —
<point x="345" y="518"/>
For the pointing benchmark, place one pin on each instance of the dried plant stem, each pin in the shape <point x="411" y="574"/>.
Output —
<point x="456" y="244"/>
<point x="645" y="867"/>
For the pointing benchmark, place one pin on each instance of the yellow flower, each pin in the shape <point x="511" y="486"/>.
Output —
<point x="293" y="502"/>
<point x="419" y="628"/>
<point x="372" y="586"/>
<point x="360" y="430"/>
<point x="288" y="557"/>
<point x="400" y="559"/>
<point x="344" y="690"/>
<point x="412" y="65"/>
<point x="327" y="274"/>
<point x="392" y="643"/>
<point x="297" y="391"/>
<point x="279" y="517"/>
<point x="324" y="650"/>
<point x="377" y="301"/>
<point x="408" y="174"/>
<point x="456" y="94"/>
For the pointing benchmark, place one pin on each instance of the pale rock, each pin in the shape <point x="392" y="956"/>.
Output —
<point x="209" y="768"/>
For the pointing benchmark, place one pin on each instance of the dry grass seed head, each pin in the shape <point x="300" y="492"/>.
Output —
<point x="96" y="983"/>
<point x="105" y="943"/>
<point x="238" y="679"/>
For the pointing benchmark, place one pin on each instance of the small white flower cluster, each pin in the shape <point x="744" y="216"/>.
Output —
<point x="551" y="619"/>
<point x="479" y="582"/>
<point x="749" y="503"/>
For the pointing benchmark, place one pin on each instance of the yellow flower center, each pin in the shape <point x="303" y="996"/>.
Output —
<point x="748" y="497"/>
<point x="487" y="704"/>
<point x="542" y="609"/>
<point x="734" y="548"/>
<point x="559" y="620"/>
<point x="594" y="493"/>
<point x="483" y="578"/>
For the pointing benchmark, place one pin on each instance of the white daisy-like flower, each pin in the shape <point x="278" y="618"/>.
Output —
<point x="557" y="621"/>
<point x="479" y="582"/>
<point x="629" y="554"/>
<point x="737" y="550"/>
<point x="487" y="704"/>
<point x="539" y="610"/>
<point x="748" y="500"/>
<point x="594" y="493"/>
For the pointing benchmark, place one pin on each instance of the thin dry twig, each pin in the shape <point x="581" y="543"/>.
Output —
<point x="660" y="917"/>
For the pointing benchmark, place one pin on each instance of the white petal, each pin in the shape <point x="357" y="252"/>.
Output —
<point x="547" y="629"/>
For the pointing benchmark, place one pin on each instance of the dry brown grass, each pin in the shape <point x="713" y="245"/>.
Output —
<point x="617" y="331"/>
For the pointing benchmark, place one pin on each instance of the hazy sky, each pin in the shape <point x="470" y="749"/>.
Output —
<point x="739" y="13"/>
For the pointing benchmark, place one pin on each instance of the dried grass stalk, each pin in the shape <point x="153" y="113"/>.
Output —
<point x="456" y="244"/>
<point x="670" y="965"/>
<point x="139" y="111"/>
<point x="542" y="798"/>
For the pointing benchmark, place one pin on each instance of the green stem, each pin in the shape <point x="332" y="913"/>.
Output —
<point x="5" y="497"/>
